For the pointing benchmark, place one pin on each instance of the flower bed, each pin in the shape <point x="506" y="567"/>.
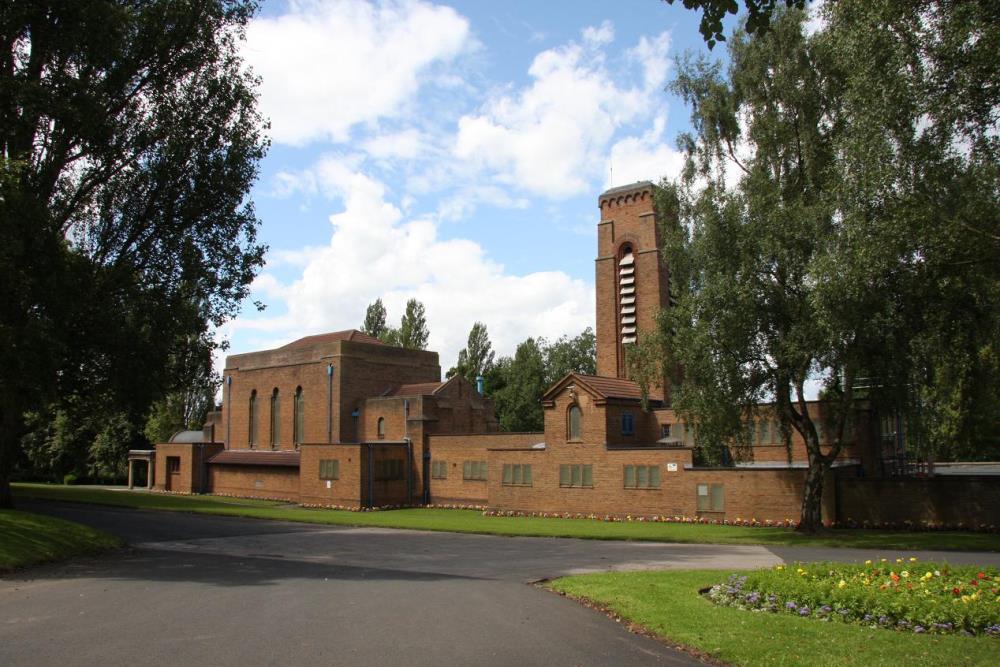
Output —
<point x="902" y="595"/>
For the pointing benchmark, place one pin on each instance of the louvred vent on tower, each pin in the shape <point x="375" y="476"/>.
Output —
<point x="626" y="290"/>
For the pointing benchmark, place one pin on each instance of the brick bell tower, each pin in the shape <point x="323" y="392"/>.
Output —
<point x="632" y="283"/>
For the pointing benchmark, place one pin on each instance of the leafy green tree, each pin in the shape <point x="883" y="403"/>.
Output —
<point x="129" y="139"/>
<point x="522" y="380"/>
<point x="413" y="331"/>
<point x="476" y="358"/>
<point x="571" y="355"/>
<point x="375" y="322"/>
<point x="821" y="227"/>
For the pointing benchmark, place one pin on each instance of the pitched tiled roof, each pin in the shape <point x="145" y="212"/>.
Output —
<point x="609" y="387"/>
<point x="418" y="389"/>
<point x="352" y="335"/>
<point x="248" y="457"/>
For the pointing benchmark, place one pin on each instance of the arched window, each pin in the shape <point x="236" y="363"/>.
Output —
<point x="575" y="425"/>
<point x="252" y="428"/>
<point x="275" y="418"/>
<point x="381" y="428"/>
<point x="298" y="423"/>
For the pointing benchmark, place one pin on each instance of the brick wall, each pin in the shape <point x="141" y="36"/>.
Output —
<point x="345" y="491"/>
<point x="253" y="481"/>
<point x="456" y="449"/>
<point x="944" y="500"/>
<point x="192" y="475"/>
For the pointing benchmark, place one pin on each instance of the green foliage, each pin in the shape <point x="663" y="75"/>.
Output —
<point x="523" y="383"/>
<point x="128" y="144"/>
<point x="836" y="219"/>
<point x="476" y="358"/>
<point x="904" y="595"/>
<point x="413" y="331"/>
<point x="758" y="19"/>
<point x="375" y="322"/>
<point x="570" y="355"/>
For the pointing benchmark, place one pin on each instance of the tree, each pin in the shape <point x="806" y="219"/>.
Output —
<point x="129" y="140"/>
<point x="758" y="20"/>
<point x="476" y="358"/>
<point x="523" y="383"/>
<point x="374" y="324"/>
<point x="571" y="355"/>
<point x="413" y="327"/>
<point x="821" y="227"/>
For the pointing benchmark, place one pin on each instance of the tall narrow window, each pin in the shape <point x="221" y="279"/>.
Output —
<point x="628" y="423"/>
<point x="275" y="418"/>
<point x="575" y="423"/>
<point x="299" y="422"/>
<point x="381" y="428"/>
<point x="252" y="429"/>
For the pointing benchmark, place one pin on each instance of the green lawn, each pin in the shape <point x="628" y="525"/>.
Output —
<point x="668" y="605"/>
<point x="29" y="539"/>
<point x="470" y="521"/>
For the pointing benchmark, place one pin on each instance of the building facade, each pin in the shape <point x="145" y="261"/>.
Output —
<point x="343" y="420"/>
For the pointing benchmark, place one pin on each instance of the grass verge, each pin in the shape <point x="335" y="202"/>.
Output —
<point x="29" y="539"/>
<point x="470" y="521"/>
<point x="668" y="605"/>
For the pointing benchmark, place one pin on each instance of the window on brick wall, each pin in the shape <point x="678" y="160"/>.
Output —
<point x="641" y="477"/>
<point x="664" y="431"/>
<point x="576" y="475"/>
<point x="517" y="474"/>
<point x="474" y="470"/>
<point x="439" y="469"/>
<point x="275" y="418"/>
<point x="298" y="422"/>
<point x="575" y="423"/>
<point x="380" y="428"/>
<point x="329" y="468"/>
<point x="252" y="428"/>
<point x="711" y="498"/>
<point x="388" y="470"/>
<point x="628" y="423"/>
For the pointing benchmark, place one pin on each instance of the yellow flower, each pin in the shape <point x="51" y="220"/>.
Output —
<point x="904" y="573"/>
<point x="779" y="568"/>
<point x="913" y="559"/>
<point x="899" y="560"/>
<point x="842" y="584"/>
<point x="868" y="562"/>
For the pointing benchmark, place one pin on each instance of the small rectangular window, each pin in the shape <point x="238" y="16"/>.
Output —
<point x="641" y="477"/>
<point x="474" y="470"/>
<point x="516" y="474"/>
<point x="628" y="423"/>
<point x="664" y="431"/>
<point x="711" y="498"/>
<point x="329" y="468"/>
<point x="576" y="475"/>
<point x="439" y="469"/>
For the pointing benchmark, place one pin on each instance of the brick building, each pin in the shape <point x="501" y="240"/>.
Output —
<point x="343" y="420"/>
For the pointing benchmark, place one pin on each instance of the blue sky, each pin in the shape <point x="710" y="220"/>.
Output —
<point x="453" y="153"/>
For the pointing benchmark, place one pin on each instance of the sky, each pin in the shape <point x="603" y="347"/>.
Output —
<point x="453" y="153"/>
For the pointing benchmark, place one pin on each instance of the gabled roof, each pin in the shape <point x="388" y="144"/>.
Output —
<point x="248" y="457"/>
<point x="417" y="389"/>
<point x="352" y="335"/>
<point x="597" y="386"/>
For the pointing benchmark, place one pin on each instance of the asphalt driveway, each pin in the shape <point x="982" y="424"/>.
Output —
<point x="226" y="591"/>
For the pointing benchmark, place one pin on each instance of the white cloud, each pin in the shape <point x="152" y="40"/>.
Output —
<point x="551" y="137"/>
<point x="644" y="158"/>
<point x="327" y="66"/>
<point x="406" y="145"/>
<point x="377" y="252"/>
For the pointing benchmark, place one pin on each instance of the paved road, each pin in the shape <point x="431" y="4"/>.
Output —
<point x="226" y="591"/>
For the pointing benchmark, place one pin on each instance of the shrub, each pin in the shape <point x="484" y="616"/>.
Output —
<point x="903" y="595"/>
<point x="70" y="478"/>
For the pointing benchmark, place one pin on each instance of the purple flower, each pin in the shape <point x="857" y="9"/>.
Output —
<point x="791" y="606"/>
<point x="804" y="611"/>
<point x="919" y="629"/>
